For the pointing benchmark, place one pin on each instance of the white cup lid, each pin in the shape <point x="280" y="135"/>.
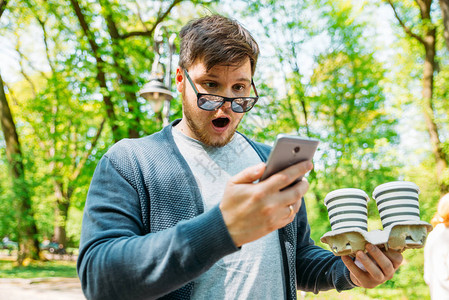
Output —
<point x="395" y="185"/>
<point x="346" y="192"/>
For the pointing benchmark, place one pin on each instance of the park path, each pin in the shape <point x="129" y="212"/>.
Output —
<point x="54" y="288"/>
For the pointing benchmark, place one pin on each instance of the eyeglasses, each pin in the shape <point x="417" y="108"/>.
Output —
<point x="211" y="102"/>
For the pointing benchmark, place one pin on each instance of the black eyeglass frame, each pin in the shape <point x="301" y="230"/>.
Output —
<point x="224" y="99"/>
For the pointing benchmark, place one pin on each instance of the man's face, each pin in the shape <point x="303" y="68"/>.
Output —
<point x="213" y="128"/>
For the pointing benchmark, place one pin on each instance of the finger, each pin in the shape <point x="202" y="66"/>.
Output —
<point x="294" y="194"/>
<point x="291" y="196"/>
<point x="249" y="175"/>
<point x="383" y="261"/>
<point x="296" y="206"/>
<point x="395" y="257"/>
<point x="354" y="269"/>
<point x="291" y="212"/>
<point x="371" y="267"/>
<point x="285" y="177"/>
<point x="297" y="191"/>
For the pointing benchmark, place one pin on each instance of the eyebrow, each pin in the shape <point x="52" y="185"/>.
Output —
<point x="216" y="77"/>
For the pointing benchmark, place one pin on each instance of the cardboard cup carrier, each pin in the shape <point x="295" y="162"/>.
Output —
<point x="398" y="206"/>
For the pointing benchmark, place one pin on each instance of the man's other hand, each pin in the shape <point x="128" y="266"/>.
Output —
<point x="379" y="265"/>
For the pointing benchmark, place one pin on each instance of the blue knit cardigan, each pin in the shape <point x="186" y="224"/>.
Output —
<point x="145" y="234"/>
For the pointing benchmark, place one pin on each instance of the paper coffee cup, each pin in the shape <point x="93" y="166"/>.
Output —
<point x="347" y="209"/>
<point x="397" y="202"/>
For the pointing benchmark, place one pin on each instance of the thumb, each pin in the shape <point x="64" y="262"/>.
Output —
<point x="249" y="175"/>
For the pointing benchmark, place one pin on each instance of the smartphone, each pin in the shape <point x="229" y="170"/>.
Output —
<point x="289" y="150"/>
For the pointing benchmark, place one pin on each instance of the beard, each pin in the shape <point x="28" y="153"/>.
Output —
<point x="198" y="128"/>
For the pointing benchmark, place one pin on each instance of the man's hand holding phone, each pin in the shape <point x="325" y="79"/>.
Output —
<point x="252" y="210"/>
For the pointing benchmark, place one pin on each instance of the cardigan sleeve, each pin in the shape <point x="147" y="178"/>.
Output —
<point x="317" y="269"/>
<point x="118" y="260"/>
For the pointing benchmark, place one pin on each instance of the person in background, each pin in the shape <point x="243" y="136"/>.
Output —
<point x="436" y="253"/>
<point x="180" y="214"/>
<point x="45" y="241"/>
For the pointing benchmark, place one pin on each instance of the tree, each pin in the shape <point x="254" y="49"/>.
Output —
<point x="444" y="5"/>
<point x="90" y="59"/>
<point x="342" y="103"/>
<point x="101" y="70"/>
<point x="290" y="20"/>
<point x="427" y="38"/>
<point x="2" y="6"/>
<point x="26" y="229"/>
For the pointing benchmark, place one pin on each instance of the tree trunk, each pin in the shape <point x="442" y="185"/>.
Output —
<point x="444" y="5"/>
<point x="428" y="40"/>
<point x="2" y="6"/>
<point x="63" y="193"/>
<point x="27" y="230"/>
<point x="429" y="43"/>
<point x="61" y="213"/>
<point x="123" y="73"/>
<point x="101" y="74"/>
<point x="427" y="106"/>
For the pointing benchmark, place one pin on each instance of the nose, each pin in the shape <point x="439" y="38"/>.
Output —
<point x="226" y="105"/>
<point x="228" y="94"/>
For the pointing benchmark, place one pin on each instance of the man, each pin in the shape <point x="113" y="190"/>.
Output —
<point x="181" y="215"/>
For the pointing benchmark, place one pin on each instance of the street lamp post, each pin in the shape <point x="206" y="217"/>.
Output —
<point x="158" y="90"/>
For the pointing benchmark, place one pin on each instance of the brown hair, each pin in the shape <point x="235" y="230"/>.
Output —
<point x="216" y="40"/>
<point x="442" y="215"/>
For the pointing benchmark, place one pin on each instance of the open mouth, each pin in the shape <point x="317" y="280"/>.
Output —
<point x="220" y="122"/>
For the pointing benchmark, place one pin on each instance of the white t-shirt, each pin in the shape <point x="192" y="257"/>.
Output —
<point x="254" y="272"/>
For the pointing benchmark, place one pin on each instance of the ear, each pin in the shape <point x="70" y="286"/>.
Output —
<point x="179" y="79"/>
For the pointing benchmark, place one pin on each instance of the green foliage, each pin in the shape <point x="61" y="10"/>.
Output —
<point x="342" y="103"/>
<point x="8" y="215"/>
<point x="320" y="74"/>
<point x="60" y="102"/>
<point x="346" y="102"/>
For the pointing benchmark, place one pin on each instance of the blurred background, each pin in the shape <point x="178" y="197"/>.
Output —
<point x="369" y="79"/>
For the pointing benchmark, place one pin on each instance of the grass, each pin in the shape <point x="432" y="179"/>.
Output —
<point x="379" y="293"/>
<point x="334" y="295"/>
<point x="38" y="269"/>
<point x="410" y="289"/>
